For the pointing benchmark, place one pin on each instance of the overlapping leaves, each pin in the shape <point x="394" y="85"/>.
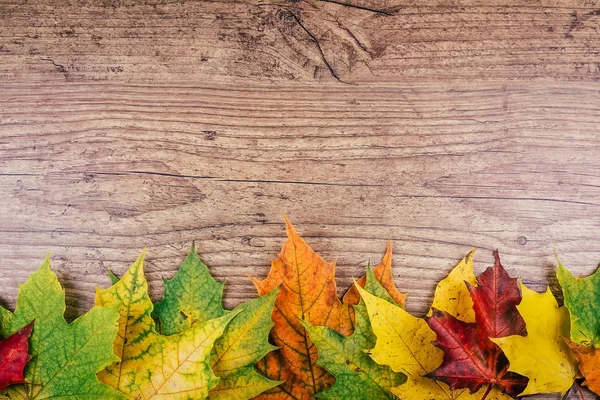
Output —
<point x="193" y="297"/>
<point x="581" y="299"/>
<point x="488" y="337"/>
<point x="307" y="298"/>
<point x="152" y="365"/>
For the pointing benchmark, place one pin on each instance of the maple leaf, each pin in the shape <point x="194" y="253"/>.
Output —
<point x="194" y="297"/>
<point x="542" y="355"/>
<point x="589" y="362"/>
<point x="471" y="360"/>
<point x="383" y="274"/>
<point x="452" y="295"/>
<point x="308" y="292"/>
<point x="65" y="357"/>
<point x="152" y="365"/>
<point x="13" y="356"/>
<point x="582" y="300"/>
<point x="357" y="375"/>
<point x="404" y="342"/>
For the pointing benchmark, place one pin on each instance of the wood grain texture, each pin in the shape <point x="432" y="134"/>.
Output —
<point x="442" y="126"/>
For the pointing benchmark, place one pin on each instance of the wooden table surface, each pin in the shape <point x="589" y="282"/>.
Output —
<point x="441" y="125"/>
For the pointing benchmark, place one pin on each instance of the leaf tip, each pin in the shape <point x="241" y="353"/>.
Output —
<point x="497" y="258"/>
<point x="470" y="255"/>
<point x="289" y="228"/>
<point x="27" y="329"/>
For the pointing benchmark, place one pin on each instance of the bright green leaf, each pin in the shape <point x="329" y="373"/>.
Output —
<point x="65" y="357"/>
<point x="191" y="297"/>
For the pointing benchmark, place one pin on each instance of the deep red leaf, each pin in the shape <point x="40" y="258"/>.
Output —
<point x="13" y="356"/>
<point x="471" y="360"/>
<point x="495" y="302"/>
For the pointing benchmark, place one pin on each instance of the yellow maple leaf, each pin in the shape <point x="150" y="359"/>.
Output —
<point x="451" y="293"/>
<point x="542" y="355"/>
<point x="404" y="342"/>
<point x="152" y="365"/>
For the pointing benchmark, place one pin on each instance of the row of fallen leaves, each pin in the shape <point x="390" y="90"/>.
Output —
<point x="487" y="337"/>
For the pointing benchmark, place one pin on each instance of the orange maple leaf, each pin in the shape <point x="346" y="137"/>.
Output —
<point x="308" y="292"/>
<point x="383" y="273"/>
<point x="589" y="360"/>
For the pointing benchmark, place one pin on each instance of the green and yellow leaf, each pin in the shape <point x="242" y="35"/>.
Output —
<point x="582" y="298"/>
<point x="193" y="297"/>
<point x="154" y="366"/>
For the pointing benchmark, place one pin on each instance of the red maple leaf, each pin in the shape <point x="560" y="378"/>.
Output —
<point x="14" y="356"/>
<point x="471" y="359"/>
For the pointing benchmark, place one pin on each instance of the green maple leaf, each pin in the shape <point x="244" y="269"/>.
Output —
<point x="65" y="357"/>
<point x="193" y="297"/>
<point x="345" y="357"/>
<point x="582" y="299"/>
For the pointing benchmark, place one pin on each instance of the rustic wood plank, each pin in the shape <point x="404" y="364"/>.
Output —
<point x="441" y="126"/>
<point x="302" y="41"/>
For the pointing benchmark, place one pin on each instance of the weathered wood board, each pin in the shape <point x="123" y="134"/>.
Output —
<point x="442" y="126"/>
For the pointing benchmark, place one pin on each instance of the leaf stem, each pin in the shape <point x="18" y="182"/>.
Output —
<point x="489" y="389"/>
<point x="579" y="390"/>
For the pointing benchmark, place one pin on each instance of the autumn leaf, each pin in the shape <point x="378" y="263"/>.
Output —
<point x="65" y="357"/>
<point x="383" y="274"/>
<point x="357" y="375"/>
<point x="308" y="292"/>
<point x="14" y="355"/>
<point x="471" y="360"/>
<point x="193" y="297"/>
<point x="404" y="342"/>
<point x="452" y="294"/>
<point x="152" y="365"/>
<point x="589" y="364"/>
<point x="542" y="355"/>
<point x="582" y="299"/>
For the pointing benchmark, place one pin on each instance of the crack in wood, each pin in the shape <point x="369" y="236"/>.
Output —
<point x="359" y="7"/>
<point x="316" y="41"/>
